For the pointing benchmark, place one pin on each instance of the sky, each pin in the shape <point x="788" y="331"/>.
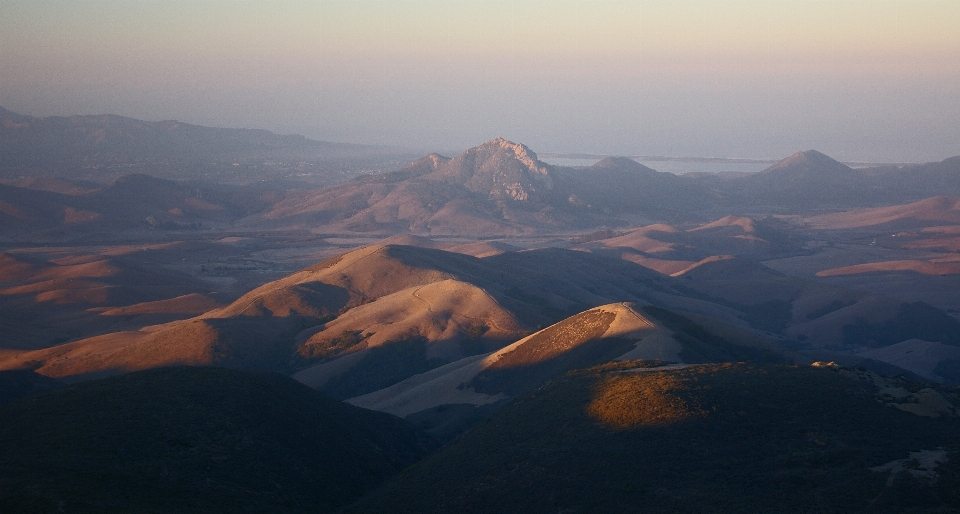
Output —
<point x="860" y="80"/>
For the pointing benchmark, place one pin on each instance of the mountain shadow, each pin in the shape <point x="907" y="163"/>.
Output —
<point x="196" y="440"/>
<point x="629" y="437"/>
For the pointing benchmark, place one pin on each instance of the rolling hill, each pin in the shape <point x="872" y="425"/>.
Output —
<point x="195" y="440"/>
<point x="628" y="437"/>
<point x="370" y="318"/>
<point x="49" y="298"/>
<point x="451" y="397"/>
<point x="934" y="211"/>
<point x="135" y="204"/>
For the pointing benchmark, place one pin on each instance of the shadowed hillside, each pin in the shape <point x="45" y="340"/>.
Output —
<point x="16" y="384"/>
<point x="195" y="440"/>
<point x="447" y="400"/>
<point x="373" y="317"/>
<point x="720" y="438"/>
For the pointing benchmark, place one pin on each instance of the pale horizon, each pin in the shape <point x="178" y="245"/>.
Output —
<point x="869" y="81"/>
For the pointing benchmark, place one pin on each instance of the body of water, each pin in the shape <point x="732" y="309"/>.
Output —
<point x="675" y="167"/>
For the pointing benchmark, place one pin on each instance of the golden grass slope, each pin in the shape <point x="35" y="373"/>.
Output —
<point x="449" y="384"/>
<point x="936" y="209"/>
<point x="442" y="312"/>
<point x="361" y="275"/>
<point x="257" y="330"/>
<point x="644" y="239"/>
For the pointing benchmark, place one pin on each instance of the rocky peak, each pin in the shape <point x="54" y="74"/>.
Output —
<point x="526" y="156"/>
<point x="501" y="169"/>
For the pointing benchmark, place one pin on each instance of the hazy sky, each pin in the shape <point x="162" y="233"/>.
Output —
<point x="865" y="80"/>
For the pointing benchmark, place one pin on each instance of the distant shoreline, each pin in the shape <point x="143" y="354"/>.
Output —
<point x="715" y="160"/>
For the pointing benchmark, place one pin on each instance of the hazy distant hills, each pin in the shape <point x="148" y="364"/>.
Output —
<point x="52" y="209"/>
<point x="807" y="178"/>
<point x="810" y="180"/>
<point x="100" y="139"/>
<point x="103" y="147"/>
<point x="499" y="188"/>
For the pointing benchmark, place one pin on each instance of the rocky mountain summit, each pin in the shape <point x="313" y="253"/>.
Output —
<point x="501" y="169"/>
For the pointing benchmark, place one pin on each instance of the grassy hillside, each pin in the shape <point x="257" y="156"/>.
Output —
<point x="195" y="440"/>
<point x="712" y="438"/>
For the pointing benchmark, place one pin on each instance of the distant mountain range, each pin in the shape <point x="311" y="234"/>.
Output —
<point x="103" y="147"/>
<point x="32" y="141"/>
<point x="496" y="188"/>
<point x="501" y="188"/>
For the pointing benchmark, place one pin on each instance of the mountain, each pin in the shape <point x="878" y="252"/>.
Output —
<point x="341" y="321"/>
<point x="500" y="169"/>
<point x="809" y="181"/>
<point x="447" y="399"/>
<point x="631" y="437"/>
<point x="496" y="188"/>
<point x="102" y="139"/>
<point x="805" y="180"/>
<point x="103" y="147"/>
<point x="373" y="317"/>
<point x="499" y="187"/>
<point x="670" y="250"/>
<point x="908" y="183"/>
<point x="623" y="186"/>
<point x="807" y="164"/>
<point x="196" y="440"/>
